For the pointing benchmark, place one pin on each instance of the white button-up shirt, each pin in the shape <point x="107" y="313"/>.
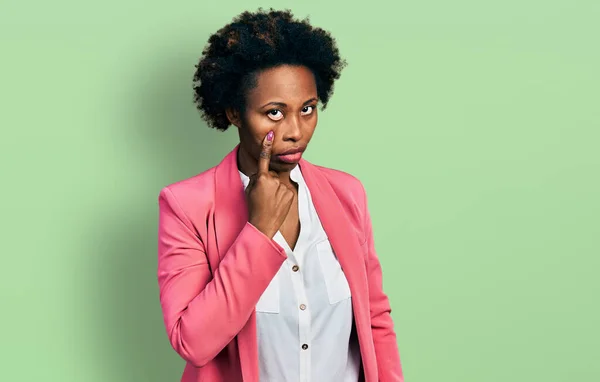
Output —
<point x="304" y="317"/>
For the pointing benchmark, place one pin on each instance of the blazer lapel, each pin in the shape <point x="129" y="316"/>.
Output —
<point x="345" y="244"/>
<point x="231" y="214"/>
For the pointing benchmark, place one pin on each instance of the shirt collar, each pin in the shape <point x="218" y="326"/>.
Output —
<point x="295" y="175"/>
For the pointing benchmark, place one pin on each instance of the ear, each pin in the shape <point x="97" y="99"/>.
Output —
<point x="233" y="116"/>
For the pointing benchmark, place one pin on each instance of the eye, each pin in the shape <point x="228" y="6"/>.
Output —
<point x="312" y="108"/>
<point x="271" y="115"/>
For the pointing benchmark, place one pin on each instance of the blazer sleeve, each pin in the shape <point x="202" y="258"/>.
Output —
<point x="203" y="310"/>
<point x="382" y="326"/>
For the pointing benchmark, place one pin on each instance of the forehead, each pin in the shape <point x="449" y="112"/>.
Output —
<point x="286" y="83"/>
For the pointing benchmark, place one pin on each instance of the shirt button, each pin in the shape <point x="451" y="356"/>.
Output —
<point x="304" y="346"/>
<point x="302" y="306"/>
<point x="295" y="268"/>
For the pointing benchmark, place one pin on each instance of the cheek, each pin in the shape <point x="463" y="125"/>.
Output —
<point x="259" y="132"/>
<point x="312" y="126"/>
<point x="255" y="130"/>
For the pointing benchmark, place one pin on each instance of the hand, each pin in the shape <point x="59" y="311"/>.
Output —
<point x="268" y="199"/>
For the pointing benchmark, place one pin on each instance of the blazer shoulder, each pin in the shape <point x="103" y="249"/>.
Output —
<point x="343" y="182"/>
<point x="193" y="194"/>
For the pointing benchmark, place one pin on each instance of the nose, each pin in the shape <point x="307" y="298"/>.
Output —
<point x="292" y="131"/>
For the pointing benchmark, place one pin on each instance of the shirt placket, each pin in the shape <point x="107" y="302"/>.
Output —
<point x="304" y="321"/>
<point x="298" y="279"/>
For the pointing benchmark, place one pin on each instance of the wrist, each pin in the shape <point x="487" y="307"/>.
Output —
<point x="267" y="232"/>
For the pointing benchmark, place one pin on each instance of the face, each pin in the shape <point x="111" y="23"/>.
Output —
<point x="285" y="101"/>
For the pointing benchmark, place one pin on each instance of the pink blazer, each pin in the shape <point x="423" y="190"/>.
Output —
<point x="213" y="267"/>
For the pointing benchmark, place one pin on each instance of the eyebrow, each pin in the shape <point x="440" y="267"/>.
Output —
<point x="285" y="105"/>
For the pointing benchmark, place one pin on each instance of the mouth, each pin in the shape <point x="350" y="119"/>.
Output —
<point x="291" y="156"/>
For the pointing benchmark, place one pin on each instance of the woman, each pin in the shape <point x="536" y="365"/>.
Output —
<point x="266" y="263"/>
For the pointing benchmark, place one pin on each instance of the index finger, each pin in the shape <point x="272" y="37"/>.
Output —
<point x="265" y="154"/>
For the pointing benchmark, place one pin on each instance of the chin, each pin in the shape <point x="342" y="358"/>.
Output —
<point x="283" y="166"/>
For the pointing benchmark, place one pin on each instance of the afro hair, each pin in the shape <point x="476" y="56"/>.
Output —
<point x="253" y="42"/>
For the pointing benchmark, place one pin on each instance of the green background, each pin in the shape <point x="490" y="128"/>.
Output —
<point x="474" y="126"/>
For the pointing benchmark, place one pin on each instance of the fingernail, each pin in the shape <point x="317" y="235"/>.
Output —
<point x="270" y="136"/>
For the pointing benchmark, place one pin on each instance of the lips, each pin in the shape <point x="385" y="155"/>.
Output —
<point x="292" y="151"/>
<point x="291" y="156"/>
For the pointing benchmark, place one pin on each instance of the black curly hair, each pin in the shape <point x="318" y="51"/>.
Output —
<point x="253" y="42"/>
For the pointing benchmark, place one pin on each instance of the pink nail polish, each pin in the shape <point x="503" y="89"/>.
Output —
<point x="270" y="136"/>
